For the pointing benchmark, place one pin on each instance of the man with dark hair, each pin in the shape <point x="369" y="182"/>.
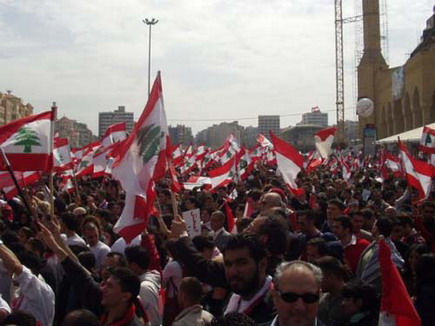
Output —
<point x="119" y="294"/>
<point x="243" y="271"/>
<point x="220" y="235"/>
<point x="189" y="297"/>
<point x="92" y="233"/>
<point x="410" y="234"/>
<point x="368" y="269"/>
<point x="333" y="281"/>
<point x="335" y="209"/>
<point x="138" y="259"/>
<point x="353" y="247"/>
<point x="70" y="225"/>
<point x="316" y="248"/>
<point x="113" y="259"/>
<point x="360" y="303"/>
<point x="81" y="317"/>
<point x="357" y="219"/>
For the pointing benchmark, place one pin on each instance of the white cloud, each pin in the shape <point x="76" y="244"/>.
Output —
<point x="219" y="58"/>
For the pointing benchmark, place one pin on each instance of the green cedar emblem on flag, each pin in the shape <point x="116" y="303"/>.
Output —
<point x="27" y="137"/>
<point x="428" y="140"/>
<point x="148" y="140"/>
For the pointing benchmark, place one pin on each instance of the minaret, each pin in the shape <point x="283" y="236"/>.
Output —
<point x="372" y="59"/>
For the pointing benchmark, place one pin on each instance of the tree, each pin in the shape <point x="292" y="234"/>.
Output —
<point x="27" y="137"/>
<point x="149" y="141"/>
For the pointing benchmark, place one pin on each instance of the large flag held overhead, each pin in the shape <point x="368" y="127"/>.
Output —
<point x="28" y="143"/>
<point x="140" y="161"/>
<point x="223" y="175"/>
<point x="396" y="305"/>
<point x="418" y="173"/>
<point x="290" y="162"/>
<point x="323" y="140"/>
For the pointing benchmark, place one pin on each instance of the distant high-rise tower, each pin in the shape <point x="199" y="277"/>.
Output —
<point x="106" y="119"/>
<point x="268" y="123"/>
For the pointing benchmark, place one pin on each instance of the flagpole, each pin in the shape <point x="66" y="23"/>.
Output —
<point x="17" y="185"/>
<point x="51" y="146"/>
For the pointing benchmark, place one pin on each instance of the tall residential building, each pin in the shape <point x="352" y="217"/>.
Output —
<point x="105" y="119"/>
<point x="268" y="123"/>
<point x="13" y="108"/>
<point x="77" y="133"/>
<point x="180" y="134"/>
<point x="314" y="118"/>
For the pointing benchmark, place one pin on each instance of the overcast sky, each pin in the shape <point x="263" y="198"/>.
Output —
<point x="220" y="59"/>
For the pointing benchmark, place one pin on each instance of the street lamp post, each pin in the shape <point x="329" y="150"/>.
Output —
<point x="150" y="23"/>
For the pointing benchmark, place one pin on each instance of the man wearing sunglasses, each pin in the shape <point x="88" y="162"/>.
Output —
<point x="296" y="294"/>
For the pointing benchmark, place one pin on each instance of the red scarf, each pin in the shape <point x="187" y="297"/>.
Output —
<point x="125" y="320"/>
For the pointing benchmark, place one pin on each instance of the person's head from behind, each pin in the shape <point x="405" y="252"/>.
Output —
<point x="383" y="226"/>
<point x="70" y="222"/>
<point x="120" y="289"/>
<point x="20" y="318"/>
<point x="270" y="200"/>
<point x="359" y="297"/>
<point x="138" y="259"/>
<point x="297" y="288"/>
<point x="205" y="245"/>
<point x="334" y="273"/>
<point x="189" y="292"/>
<point x="81" y="317"/>
<point x="273" y="233"/>
<point x="245" y="264"/>
<point x="233" y="319"/>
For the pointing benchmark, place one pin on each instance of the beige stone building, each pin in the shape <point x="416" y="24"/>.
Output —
<point x="404" y="97"/>
<point x="13" y="108"/>
<point x="77" y="133"/>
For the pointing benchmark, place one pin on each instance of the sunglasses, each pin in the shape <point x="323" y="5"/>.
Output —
<point x="292" y="297"/>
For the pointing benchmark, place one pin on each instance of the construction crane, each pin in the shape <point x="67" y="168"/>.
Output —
<point x="339" y="59"/>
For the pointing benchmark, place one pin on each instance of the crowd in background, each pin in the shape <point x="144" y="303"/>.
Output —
<point x="306" y="259"/>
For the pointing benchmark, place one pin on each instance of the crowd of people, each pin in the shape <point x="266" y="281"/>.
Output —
<point x="305" y="259"/>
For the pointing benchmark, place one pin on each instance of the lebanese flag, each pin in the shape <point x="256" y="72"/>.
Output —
<point x="427" y="141"/>
<point x="223" y="175"/>
<point x="140" y="162"/>
<point x="24" y="179"/>
<point x="249" y="208"/>
<point x="418" y="173"/>
<point x="290" y="162"/>
<point x="396" y="305"/>
<point x="323" y="140"/>
<point x="28" y="143"/>
<point x="346" y="171"/>
<point x="175" y="185"/>
<point x="86" y="164"/>
<point x="62" y="155"/>
<point x="196" y="181"/>
<point x="177" y="155"/>
<point x="231" y="221"/>
<point x="263" y="141"/>
<point x="114" y="133"/>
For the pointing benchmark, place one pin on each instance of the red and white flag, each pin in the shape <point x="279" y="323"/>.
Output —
<point x="24" y="179"/>
<point x="231" y="220"/>
<point x="62" y="155"/>
<point x="141" y="160"/>
<point x="264" y="142"/>
<point x="196" y="181"/>
<point x="418" y="173"/>
<point x="396" y="305"/>
<point x="323" y="140"/>
<point x="28" y="143"/>
<point x="114" y="133"/>
<point x="427" y="141"/>
<point x="223" y="175"/>
<point x="290" y="162"/>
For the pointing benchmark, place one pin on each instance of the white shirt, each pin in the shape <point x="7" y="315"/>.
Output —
<point x="4" y="305"/>
<point x="100" y="250"/>
<point x="75" y="240"/>
<point x="120" y="245"/>
<point x="172" y="275"/>
<point x="150" y="283"/>
<point x="34" y="296"/>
